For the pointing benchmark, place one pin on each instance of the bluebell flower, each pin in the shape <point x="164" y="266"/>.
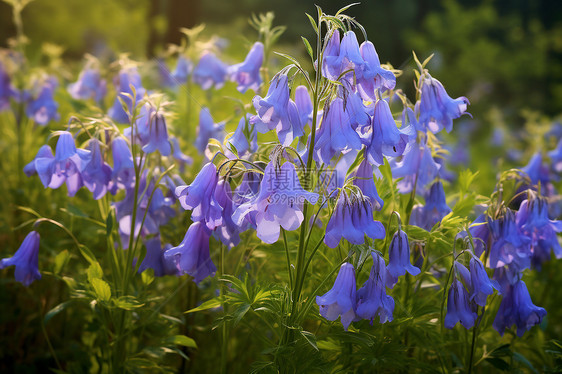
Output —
<point x="7" y="90"/>
<point x="341" y="299"/>
<point x="517" y="308"/>
<point x="537" y="170"/>
<point x="152" y="130"/>
<point x="335" y="134"/>
<point x="247" y="74"/>
<point x="277" y="112"/>
<point x="43" y="108"/>
<point x="123" y="175"/>
<point x="356" y="111"/>
<point x="433" y="211"/>
<point x="304" y="106"/>
<point x="417" y="167"/>
<point x="364" y="180"/>
<point x="374" y="76"/>
<point x="166" y="78"/>
<point x="96" y="173"/>
<point x="555" y="157"/>
<point x="532" y="218"/>
<point x="41" y="165"/>
<point x="437" y="109"/>
<point x="199" y="197"/>
<point x="155" y="259"/>
<point x="207" y="129"/>
<point x="331" y="68"/>
<point x="229" y="232"/>
<point x="480" y="234"/>
<point x="67" y="164"/>
<point x="458" y="307"/>
<point x="352" y="219"/>
<point x="399" y="258"/>
<point x="192" y="255"/>
<point x="372" y="299"/>
<point x="26" y="260"/>
<point x="210" y="71"/>
<point x="245" y="138"/>
<point x="279" y="203"/>
<point x="481" y="285"/>
<point x="127" y="77"/>
<point x="89" y="85"/>
<point x="182" y="70"/>
<point x="386" y="139"/>
<point x="510" y="246"/>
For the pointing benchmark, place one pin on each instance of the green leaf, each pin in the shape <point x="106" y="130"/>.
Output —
<point x="94" y="271"/>
<point x="127" y="303"/>
<point x="310" y="338"/>
<point x="328" y="345"/>
<point x="60" y="260"/>
<point x="88" y="255"/>
<point x="498" y="363"/>
<point x="102" y="289"/>
<point x="209" y="304"/>
<point x="186" y="341"/>
<point x="346" y="8"/>
<point x="313" y="23"/>
<point x="109" y="224"/>
<point x="56" y="310"/>
<point x="308" y="47"/>
<point x="147" y="276"/>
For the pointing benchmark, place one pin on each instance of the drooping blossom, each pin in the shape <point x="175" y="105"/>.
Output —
<point x="43" y="108"/>
<point x="154" y="259"/>
<point x="208" y="129"/>
<point x="399" y="258"/>
<point x="417" y="168"/>
<point x="510" y="246"/>
<point x="341" y="299"/>
<point x="374" y="76"/>
<point x="26" y="260"/>
<point x="458" y="307"/>
<point x="435" y="208"/>
<point x="89" y="85"/>
<point x="247" y="74"/>
<point x="199" y="197"/>
<point x="480" y="284"/>
<point x="152" y="130"/>
<point x="192" y="255"/>
<point x="364" y="180"/>
<point x="228" y="232"/>
<point x="245" y="137"/>
<point x="279" y="202"/>
<point x="123" y="175"/>
<point x="67" y="164"/>
<point x="480" y="234"/>
<point x="437" y="109"/>
<point x="210" y="72"/>
<point x="372" y="299"/>
<point x="96" y="173"/>
<point x="127" y="77"/>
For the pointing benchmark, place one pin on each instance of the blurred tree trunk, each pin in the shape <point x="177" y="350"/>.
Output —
<point x="178" y="14"/>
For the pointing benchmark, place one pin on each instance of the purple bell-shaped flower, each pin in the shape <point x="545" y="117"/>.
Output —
<point x="341" y="299"/>
<point x="26" y="260"/>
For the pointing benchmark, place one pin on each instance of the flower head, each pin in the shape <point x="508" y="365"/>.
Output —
<point x="43" y="108"/>
<point x="26" y="260"/>
<point x="209" y="72"/>
<point x="364" y="180"/>
<point x="341" y="299"/>
<point x="374" y="76"/>
<point x="199" y="197"/>
<point x="437" y="109"/>
<point x="399" y="258"/>
<point x="434" y="210"/>
<point x="245" y="137"/>
<point x="228" y="232"/>
<point x="458" y="307"/>
<point x="481" y="285"/>
<point x="192" y="255"/>
<point x="247" y="73"/>
<point x="152" y="130"/>
<point x="96" y="173"/>
<point x="127" y="77"/>
<point x="510" y="246"/>
<point x="123" y="175"/>
<point x="417" y="167"/>
<point x="182" y="70"/>
<point x="68" y="164"/>
<point x="155" y="259"/>
<point x="372" y="299"/>
<point x="88" y="86"/>
<point x="207" y="129"/>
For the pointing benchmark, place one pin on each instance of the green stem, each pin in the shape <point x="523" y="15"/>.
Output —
<point x="224" y="327"/>
<point x="288" y="258"/>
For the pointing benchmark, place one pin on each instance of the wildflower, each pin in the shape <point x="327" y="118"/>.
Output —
<point x="41" y="165"/>
<point x="335" y="133"/>
<point x="304" y="106"/>
<point x="127" y="77"/>
<point x="279" y="203"/>
<point x="364" y="180"/>
<point x="437" y="109"/>
<point x="372" y="299"/>
<point x="26" y="260"/>
<point x="155" y="259"/>
<point x="331" y="69"/>
<point x="199" y="197"/>
<point x="433" y="211"/>
<point x="277" y="112"/>
<point x="510" y="246"/>
<point x="517" y="309"/>
<point x="43" y="108"/>
<point x="207" y="129"/>
<point x="341" y="299"/>
<point x="123" y="175"/>
<point x="355" y="109"/>
<point x="386" y="138"/>
<point x="7" y="91"/>
<point x="480" y="234"/>
<point x="192" y="255"/>
<point x="417" y="167"/>
<point x="532" y="219"/>
<point x="555" y="157"/>
<point x="245" y="137"/>
<point x="374" y="77"/>
<point x="182" y="70"/>
<point x="352" y="219"/>
<point x="96" y="174"/>
<point x="88" y="86"/>
<point x="209" y="72"/>
<point x="67" y="164"/>
<point x="247" y="73"/>
<point x="537" y="170"/>
<point x="458" y="307"/>
<point x="228" y="232"/>
<point x="152" y="130"/>
<point x="399" y="258"/>
<point x="481" y="285"/>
